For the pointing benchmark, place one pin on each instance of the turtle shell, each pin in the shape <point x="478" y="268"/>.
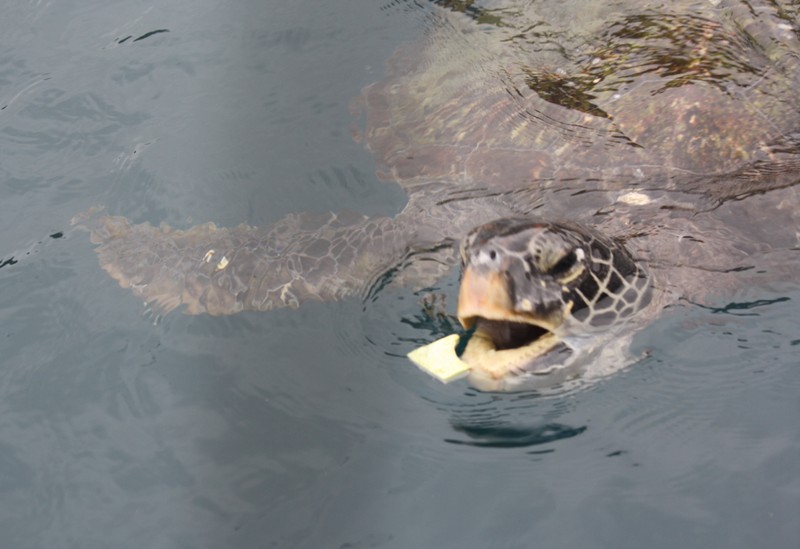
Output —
<point x="527" y="93"/>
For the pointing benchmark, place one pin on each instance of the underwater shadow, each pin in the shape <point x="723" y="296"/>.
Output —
<point x="506" y="436"/>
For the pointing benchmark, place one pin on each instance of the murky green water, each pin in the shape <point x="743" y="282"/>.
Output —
<point x="308" y="428"/>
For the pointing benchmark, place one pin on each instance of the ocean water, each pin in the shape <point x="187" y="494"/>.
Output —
<point x="308" y="427"/>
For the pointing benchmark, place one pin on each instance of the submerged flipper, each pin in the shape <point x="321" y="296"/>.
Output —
<point x="303" y="257"/>
<point x="216" y="270"/>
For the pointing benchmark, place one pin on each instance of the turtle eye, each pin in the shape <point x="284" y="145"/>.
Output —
<point x="565" y="264"/>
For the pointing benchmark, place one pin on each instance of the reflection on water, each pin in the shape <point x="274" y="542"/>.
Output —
<point x="741" y="309"/>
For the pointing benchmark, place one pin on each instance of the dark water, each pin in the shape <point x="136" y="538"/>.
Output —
<point x="308" y="428"/>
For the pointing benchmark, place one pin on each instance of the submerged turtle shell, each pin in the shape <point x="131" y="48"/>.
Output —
<point x="585" y="96"/>
<point x="653" y="125"/>
<point x="672" y="127"/>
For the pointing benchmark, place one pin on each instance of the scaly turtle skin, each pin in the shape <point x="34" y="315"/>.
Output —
<point x="670" y="128"/>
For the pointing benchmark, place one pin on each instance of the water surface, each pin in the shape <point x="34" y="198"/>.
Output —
<point x="308" y="428"/>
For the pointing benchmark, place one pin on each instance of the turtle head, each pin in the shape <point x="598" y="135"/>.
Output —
<point x="541" y="298"/>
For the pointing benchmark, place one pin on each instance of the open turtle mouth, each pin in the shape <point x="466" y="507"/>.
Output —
<point x="505" y="354"/>
<point x="509" y="334"/>
<point x="507" y="348"/>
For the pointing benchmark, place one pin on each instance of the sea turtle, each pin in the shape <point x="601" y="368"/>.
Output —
<point x="660" y="138"/>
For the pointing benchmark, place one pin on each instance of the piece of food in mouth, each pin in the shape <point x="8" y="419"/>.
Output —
<point x="493" y="346"/>
<point x="498" y="348"/>
<point x="440" y="360"/>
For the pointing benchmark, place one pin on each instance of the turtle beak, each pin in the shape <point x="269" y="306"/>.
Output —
<point x="482" y="294"/>
<point x="486" y="294"/>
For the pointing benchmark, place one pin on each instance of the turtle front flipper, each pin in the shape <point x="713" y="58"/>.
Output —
<point x="217" y="270"/>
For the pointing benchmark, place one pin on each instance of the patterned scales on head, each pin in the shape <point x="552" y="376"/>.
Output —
<point x="671" y="129"/>
<point x="544" y="299"/>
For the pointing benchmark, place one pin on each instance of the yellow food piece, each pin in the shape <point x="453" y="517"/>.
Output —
<point x="439" y="359"/>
